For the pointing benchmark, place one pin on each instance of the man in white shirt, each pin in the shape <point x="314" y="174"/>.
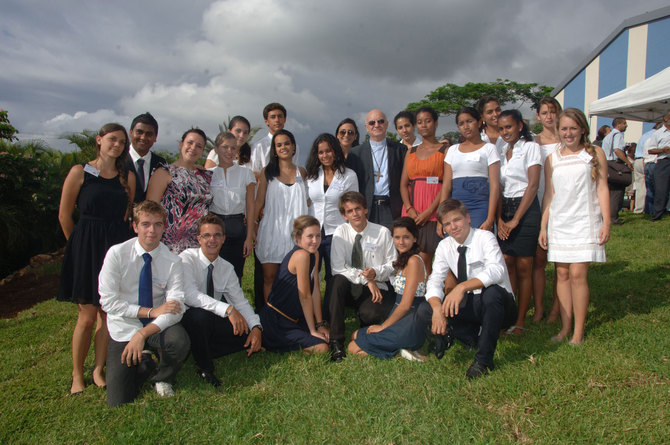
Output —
<point x="141" y="290"/>
<point x="659" y="145"/>
<point x="219" y="319"/>
<point x="378" y="165"/>
<point x="362" y="254"/>
<point x="274" y="115"/>
<point x="482" y="303"/>
<point x="615" y="149"/>
<point x="649" y="168"/>
<point x="143" y="133"/>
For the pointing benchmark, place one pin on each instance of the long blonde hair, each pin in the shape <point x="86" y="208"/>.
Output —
<point x="579" y="117"/>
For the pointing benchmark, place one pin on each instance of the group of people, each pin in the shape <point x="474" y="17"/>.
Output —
<point x="423" y="240"/>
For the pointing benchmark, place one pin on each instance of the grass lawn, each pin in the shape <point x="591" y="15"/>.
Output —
<point x="613" y="389"/>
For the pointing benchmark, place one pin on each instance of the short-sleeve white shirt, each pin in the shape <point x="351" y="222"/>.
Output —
<point x="229" y="189"/>
<point x="474" y="164"/>
<point x="514" y="173"/>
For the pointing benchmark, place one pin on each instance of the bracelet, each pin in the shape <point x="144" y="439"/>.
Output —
<point x="149" y="313"/>
<point x="409" y="208"/>
<point x="321" y="324"/>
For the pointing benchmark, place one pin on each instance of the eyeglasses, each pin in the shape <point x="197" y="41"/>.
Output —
<point x="208" y="236"/>
<point x="378" y="122"/>
<point x="347" y="132"/>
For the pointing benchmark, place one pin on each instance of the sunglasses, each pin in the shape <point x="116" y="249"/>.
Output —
<point x="378" y="121"/>
<point x="347" y="132"/>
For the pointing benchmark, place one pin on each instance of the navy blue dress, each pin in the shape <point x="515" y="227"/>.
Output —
<point x="284" y="326"/>
<point x="406" y="333"/>
<point x="102" y="204"/>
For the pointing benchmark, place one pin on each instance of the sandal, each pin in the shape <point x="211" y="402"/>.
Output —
<point x="515" y="330"/>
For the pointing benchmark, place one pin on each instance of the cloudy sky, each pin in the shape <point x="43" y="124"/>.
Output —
<point x="72" y="65"/>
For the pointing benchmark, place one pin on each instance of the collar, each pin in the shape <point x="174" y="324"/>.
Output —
<point x="376" y="146"/>
<point x="139" y="250"/>
<point x="204" y="260"/>
<point x="362" y="232"/>
<point x="468" y="239"/>
<point x="135" y="155"/>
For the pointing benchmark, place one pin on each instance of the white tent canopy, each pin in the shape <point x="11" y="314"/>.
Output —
<point x="645" y="101"/>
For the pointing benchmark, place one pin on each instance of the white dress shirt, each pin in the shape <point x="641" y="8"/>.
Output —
<point x="135" y="156"/>
<point x="119" y="287"/>
<point x="613" y="140"/>
<point x="483" y="255"/>
<point x="229" y="189"/>
<point x="500" y="142"/>
<point x="325" y="205"/>
<point x="514" y="173"/>
<point x="226" y="285"/>
<point x="660" y="139"/>
<point x="380" y="163"/>
<point x="378" y="253"/>
<point x="418" y="140"/>
<point x="260" y="153"/>
<point x="648" y="157"/>
<point x="474" y="164"/>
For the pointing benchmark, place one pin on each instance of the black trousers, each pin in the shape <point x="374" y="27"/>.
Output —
<point x="368" y="313"/>
<point x="661" y="186"/>
<point x="480" y="321"/>
<point x="616" y="200"/>
<point x="380" y="212"/>
<point x="211" y="337"/>
<point x="259" y="300"/>
<point x="124" y="382"/>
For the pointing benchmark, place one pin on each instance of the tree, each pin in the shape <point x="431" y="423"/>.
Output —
<point x="450" y="98"/>
<point x="85" y="141"/>
<point x="7" y="131"/>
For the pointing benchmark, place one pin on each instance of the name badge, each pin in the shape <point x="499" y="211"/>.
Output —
<point x="472" y="157"/>
<point x="432" y="180"/>
<point x="370" y="247"/>
<point x="217" y="183"/>
<point x="584" y="156"/>
<point x="88" y="168"/>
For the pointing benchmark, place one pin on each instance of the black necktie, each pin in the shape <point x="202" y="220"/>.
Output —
<point x="462" y="272"/>
<point x="140" y="174"/>
<point x="145" y="295"/>
<point x="210" y="280"/>
<point x="357" y="263"/>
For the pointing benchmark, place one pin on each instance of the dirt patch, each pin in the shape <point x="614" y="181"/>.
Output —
<point x="24" y="291"/>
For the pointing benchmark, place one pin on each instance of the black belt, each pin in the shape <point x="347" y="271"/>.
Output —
<point x="380" y="200"/>
<point x="225" y="217"/>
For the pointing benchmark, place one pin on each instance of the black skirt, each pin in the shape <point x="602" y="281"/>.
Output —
<point x="522" y="242"/>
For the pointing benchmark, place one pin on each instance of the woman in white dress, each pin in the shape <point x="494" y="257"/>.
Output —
<point x="282" y="197"/>
<point x="575" y="218"/>
<point x="548" y="110"/>
<point x="327" y="180"/>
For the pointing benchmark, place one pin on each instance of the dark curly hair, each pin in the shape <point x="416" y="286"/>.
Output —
<point x="403" y="258"/>
<point x="313" y="163"/>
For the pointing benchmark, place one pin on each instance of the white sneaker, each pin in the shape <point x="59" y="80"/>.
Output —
<point x="164" y="389"/>
<point x="412" y="356"/>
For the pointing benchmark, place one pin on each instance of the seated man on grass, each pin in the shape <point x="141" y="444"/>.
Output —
<point x="140" y="287"/>
<point x="219" y="319"/>
<point x="482" y="303"/>
<point x="362" y="255"/>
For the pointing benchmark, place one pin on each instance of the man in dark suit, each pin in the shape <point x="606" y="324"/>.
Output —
<point x="143" y="134"/>
<point x="378" y="164"/>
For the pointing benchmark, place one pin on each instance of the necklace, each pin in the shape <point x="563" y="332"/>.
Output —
<point x="378" y="165"/>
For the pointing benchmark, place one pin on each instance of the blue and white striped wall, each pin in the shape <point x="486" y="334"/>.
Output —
<point x="635" y="54"/>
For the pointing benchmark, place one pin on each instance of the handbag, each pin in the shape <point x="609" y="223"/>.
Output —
<point x="619" y="174"/>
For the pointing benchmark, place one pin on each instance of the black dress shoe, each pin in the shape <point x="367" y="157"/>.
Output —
<point x="337" y="352"/>
<point x="477" y="370"/>
<point x="442" y="342"/>
<point x="209" y="377"/>
<point x="147" y="365"/>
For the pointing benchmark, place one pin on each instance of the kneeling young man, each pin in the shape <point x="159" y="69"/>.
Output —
<point x="483" y="296"/>
<point x="361" y="255"/>
<point x="141" y="291"/>
<point x="219" y="319"/>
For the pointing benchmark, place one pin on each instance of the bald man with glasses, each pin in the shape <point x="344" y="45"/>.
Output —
<point x="378" y="163"/>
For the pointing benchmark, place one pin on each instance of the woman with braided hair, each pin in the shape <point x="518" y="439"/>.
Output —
<point x="575" y="218"/>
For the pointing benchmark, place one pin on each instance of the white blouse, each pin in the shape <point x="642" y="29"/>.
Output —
<point x="474" y="164"/>
<point x="229" y="189"/>
<point x="325" y="205"/>
<point x="514" y="173"/>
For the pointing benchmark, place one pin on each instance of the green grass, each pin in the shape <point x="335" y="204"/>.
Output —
<point x="613" y="389"/>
